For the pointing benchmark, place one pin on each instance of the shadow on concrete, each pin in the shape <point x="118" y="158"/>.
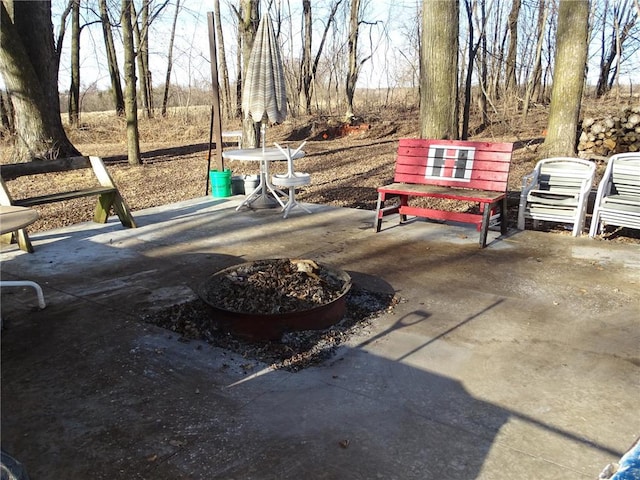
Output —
<point x="90" y="391"/>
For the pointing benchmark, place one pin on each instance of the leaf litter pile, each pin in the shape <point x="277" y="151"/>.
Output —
<point x="295" y="351"/>
<point x="274" y="286"/>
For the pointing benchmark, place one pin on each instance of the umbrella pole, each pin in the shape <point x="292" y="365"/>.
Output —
<point x="263" y="134"/>
<point x="206" y="188"/>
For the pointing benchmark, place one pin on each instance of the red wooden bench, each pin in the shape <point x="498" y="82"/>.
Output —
<point x="454" y="170"/>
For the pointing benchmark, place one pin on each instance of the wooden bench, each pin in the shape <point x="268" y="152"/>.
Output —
<point x="107" y="192"/>
<point x="454" y="170"/>
<point x="618" y="199"/>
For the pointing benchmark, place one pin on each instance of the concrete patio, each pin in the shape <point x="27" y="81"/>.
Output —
<point x="517" y="361"/>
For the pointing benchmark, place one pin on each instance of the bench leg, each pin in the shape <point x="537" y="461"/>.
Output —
<point x="379" y="214"/>
<point x="404" y="202"/>
<point x="121" y="209"/>
<point x="19" y="236"/>
<point x="103" y="207"/>
<point x="24" y="242"/>
<point x="382" y="211"/>
<point x="123" y="212"/>
<point x="486" y="216"/>
<point x="504" y="218"/>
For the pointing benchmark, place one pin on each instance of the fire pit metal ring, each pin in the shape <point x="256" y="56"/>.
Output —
<point x="270" y="326"/>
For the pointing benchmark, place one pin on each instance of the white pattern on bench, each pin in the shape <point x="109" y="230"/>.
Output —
<point x="443" y="162"/>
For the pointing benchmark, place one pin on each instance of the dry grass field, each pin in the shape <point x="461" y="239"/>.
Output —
<point x="345" y="170"/>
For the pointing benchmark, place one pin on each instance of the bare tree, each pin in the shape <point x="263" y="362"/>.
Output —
<point x="141" y="44"/>
<point x="308" y="68"/>
<point x="222" y="62"/>
<point x="623" y="19"/>
<point x="534" y="85"/>
<point x="473" y="46"/>
<point x="74" y="89"/>
<point x="354" y="63"/>
<point x="304" y="85"/>
<point x="112" y="59"/>
<point x="511" y="82"/>
<point x="167" y="80"/>
<point x="568" y="79"/>
<point x="29" y="68"/>
<point x="131" y="102"/>
<point x="439" y="69"/>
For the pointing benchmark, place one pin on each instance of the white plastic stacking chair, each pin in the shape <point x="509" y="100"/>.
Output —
<point x="291" y="180"/>
<point x="618" y="198"/>
<point x="557" y="191"/>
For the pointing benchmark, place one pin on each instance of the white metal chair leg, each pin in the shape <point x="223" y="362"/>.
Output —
<point x="25" y="283"/>
<point x="293" y="203"/>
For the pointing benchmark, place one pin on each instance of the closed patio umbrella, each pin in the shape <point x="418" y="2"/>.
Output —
<point x="264" y="95"/>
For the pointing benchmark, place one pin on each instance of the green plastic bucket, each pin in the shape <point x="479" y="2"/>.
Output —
<point x="220" y="183"/>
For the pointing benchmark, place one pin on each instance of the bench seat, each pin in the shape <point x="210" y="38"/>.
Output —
<point x="59" y="197"/>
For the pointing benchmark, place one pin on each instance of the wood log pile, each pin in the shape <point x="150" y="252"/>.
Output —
<point x="603" y="137"/>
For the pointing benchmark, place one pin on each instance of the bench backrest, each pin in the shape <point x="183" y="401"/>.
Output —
<point x="454" y="163"/>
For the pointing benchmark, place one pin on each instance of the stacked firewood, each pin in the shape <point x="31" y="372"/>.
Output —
<point x="602" y="137"/>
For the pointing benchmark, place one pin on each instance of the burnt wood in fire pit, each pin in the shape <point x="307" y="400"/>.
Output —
<point x="261" y="300"/>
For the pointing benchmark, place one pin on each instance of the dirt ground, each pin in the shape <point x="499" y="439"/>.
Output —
<point x="345" y="169"/>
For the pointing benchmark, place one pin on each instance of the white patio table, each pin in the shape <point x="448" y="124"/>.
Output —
<point x="14" y="218"/>
<point x="264" y="194"/>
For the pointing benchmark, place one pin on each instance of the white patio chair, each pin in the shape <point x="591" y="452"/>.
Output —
<point x="618" y="198"/>
<point x="557" y="191"/>
<point x="291" y="180"/>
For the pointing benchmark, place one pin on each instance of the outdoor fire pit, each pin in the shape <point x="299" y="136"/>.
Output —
<point x="263" y="299"/>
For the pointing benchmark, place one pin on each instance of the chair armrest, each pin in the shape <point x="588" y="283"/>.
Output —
<point x="529" y="181"/>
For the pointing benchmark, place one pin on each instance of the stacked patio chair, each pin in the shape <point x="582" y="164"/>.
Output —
<point x="291" y="180"/>
<point x="557" y="191"/>
<point x="618" y="198"/>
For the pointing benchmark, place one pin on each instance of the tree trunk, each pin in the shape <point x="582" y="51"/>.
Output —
<point x="29" y="68"/>
<point x="239" y="70"/>
<point x="473" y="49"/>
<point x="167" y="79"/>
<point x="484" y="67"/>
<point x="112" y="59"/>
<point x="511" y="83"/>
<point x="305" y="63"/>
<point x="141" y="38"/>
<point x="439" y="70"/>
<point x="352" y="75"/>
<point x="74" y="89"/>
<point x="131" y="102"/>
<point x="6" y="115"/>
<point x="568" y="80"/>
<point x="249" y="26"/>
<point x="222" y="61"/>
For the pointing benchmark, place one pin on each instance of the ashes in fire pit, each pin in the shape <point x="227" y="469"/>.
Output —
<point x="265" y="298"/>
